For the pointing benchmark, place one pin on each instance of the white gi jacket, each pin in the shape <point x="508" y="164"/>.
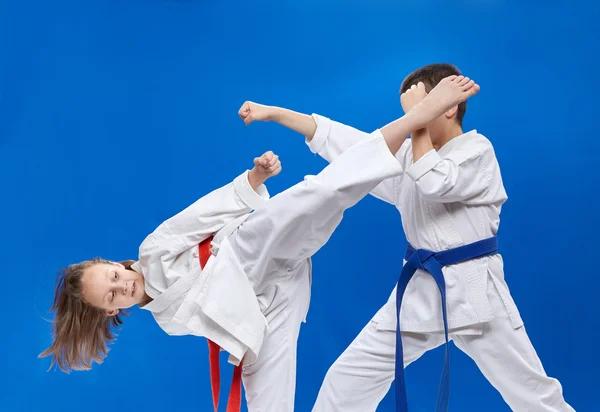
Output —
<point x="448" y="198"/>
<point x="190" y="301"/>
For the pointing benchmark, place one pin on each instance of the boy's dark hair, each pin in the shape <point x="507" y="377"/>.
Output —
<point x="431" y="75"/>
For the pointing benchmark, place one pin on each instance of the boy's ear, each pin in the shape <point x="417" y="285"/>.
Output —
<point x="451" y="112"/>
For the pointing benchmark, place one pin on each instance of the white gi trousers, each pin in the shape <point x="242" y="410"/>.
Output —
<point x="274" y="246"/>
<point x="361" y="377"/>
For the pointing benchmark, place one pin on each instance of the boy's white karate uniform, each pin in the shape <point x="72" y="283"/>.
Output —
<point x="254" y="291"/>
<point x="446" y="199"/>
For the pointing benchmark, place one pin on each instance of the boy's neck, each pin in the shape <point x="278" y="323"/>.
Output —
<point x="453" y="131"/>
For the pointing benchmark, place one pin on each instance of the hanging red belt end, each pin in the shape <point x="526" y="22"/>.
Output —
<point x="234" y="404"/>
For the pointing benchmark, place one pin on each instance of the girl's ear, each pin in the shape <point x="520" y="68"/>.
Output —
<point x="127" y="264"/>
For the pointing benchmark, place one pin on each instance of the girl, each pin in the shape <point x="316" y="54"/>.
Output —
<point x="241" y="280"/>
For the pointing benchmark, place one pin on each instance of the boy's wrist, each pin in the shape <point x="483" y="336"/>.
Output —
<point x="275" y="114"/>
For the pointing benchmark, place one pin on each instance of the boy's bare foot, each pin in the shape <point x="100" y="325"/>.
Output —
<point x="448" y="93"/>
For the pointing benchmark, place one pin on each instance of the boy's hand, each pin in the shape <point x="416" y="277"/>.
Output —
<point x="251" y="111"/>
<point x="266" y="166"/>
<point x="412" y="96"/>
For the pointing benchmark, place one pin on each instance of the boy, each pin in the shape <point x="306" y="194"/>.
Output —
<point x="449" y="195"/>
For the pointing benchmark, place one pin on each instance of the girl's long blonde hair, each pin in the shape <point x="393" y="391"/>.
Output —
<point x="81" y="332"/>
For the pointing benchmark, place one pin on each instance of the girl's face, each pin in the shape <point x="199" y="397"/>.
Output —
<point x="111" y="287"/>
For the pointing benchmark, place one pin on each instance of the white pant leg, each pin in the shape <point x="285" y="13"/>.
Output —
<point x="297" y="222"/>
<point x="270" y="382"/>
<point x="361" y="377"/>
<point x="508" y="360"/>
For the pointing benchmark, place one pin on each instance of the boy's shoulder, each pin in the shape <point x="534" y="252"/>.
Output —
<point x="473" y="141"/>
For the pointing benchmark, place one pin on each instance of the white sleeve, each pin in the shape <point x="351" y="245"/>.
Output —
<point x="331" y="139"/>
<point x="460" y="176"/>
<point x="204" y="218"/>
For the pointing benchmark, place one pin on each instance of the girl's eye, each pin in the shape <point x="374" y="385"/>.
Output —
<point x="116" y="276"/>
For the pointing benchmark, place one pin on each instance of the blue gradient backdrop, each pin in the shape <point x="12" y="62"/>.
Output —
<point x="115" y="115"/>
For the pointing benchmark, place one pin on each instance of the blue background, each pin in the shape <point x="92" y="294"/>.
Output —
<point x="115" y="115"/>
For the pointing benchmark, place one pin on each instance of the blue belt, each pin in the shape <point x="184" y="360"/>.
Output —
<point x="432" y="263"/>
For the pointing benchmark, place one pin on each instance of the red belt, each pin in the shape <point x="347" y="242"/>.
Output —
<point x="235" y="393"/>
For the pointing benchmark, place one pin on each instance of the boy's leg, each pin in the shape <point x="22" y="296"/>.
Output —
<point x="361" y="377"/>
<point x="508" y="360"/>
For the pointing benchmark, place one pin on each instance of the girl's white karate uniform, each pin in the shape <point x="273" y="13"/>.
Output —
<point x="448" y="198"/>
<point x="254" y="291"/>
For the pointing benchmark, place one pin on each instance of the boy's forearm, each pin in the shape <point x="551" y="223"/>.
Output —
<point x="421" y="143"/>
<point x="299" y="122"/>
<point x="396" y="132"/>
